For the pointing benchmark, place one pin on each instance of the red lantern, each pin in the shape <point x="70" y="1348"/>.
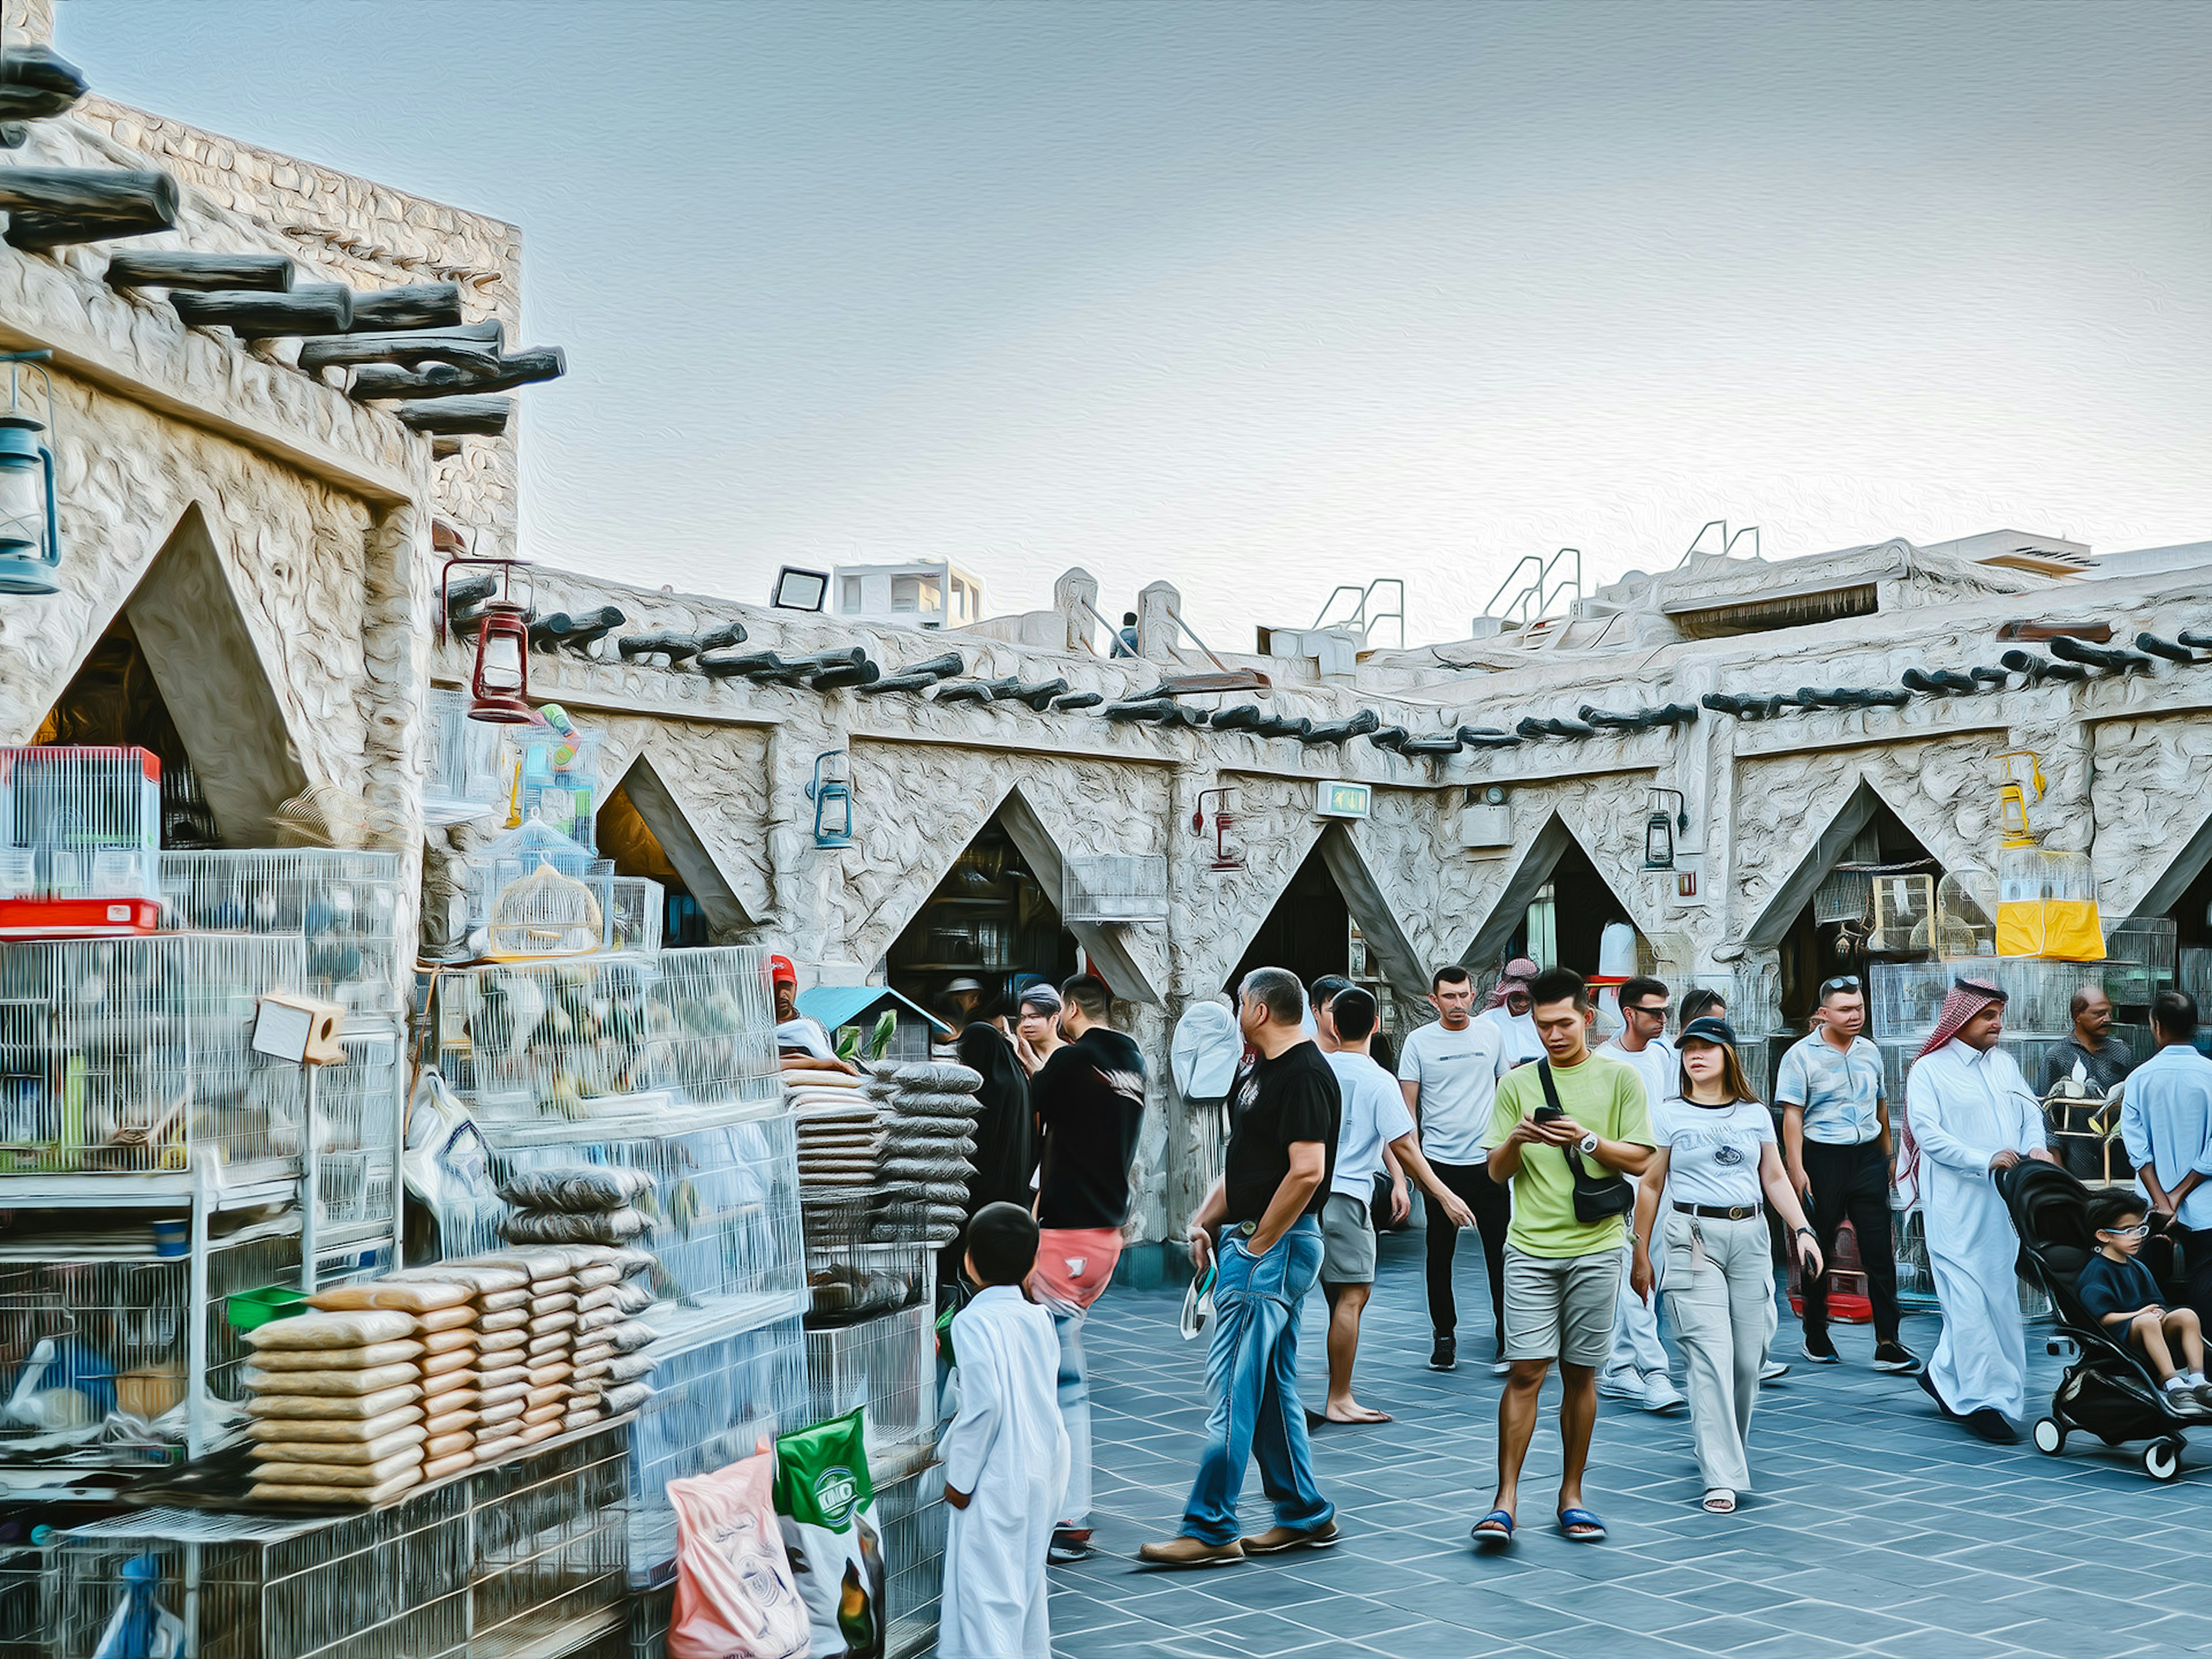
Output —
<point x="499" y="689"/>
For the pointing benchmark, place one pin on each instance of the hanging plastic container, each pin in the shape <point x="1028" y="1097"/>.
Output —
<point x="2046" y="898"/>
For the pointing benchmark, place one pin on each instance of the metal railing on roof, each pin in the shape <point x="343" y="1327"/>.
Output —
<point x="1728" y="541"/>
<point x="1364" y="615"/>
<point x="1533" y="599"/>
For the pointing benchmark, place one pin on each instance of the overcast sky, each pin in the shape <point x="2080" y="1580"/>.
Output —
<point x="1259" y="299"/>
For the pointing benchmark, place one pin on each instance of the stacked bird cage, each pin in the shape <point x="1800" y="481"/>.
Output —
<point x="465" y="780"/>
<point x="515" y="1558"/>
<point x="2140" y="960"/>
<point x="613" y="1040"/>
<point x="638" y="912"/>
<point x="888" y="1365"/>
<point x="536" y="893"/>
<point x="713" y="1402"/>
<point x="865" y="1253"/>
<point x="358" y="1108"/>
<point x="911" y="1516"/>
<point x="98" y="1334"/>
<point x="26" y="1615"/>
<point x="80" y="838"/>
<point x="1112" y="889"/>
<point x="344" y="905"/>
<point x="130" y="1056"/>
<point x="553" y="780"/>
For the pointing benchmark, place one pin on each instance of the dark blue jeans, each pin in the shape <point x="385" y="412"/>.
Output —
<point x="1252" y="1387"/>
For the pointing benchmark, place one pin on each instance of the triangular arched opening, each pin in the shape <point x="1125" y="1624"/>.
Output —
<point x="1555" y="908"/>
<point x="1330" y="918"/>
<point x="177" y="673"/>
<point x="645" y="832"/>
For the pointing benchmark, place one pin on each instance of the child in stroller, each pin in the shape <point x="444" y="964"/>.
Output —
<point x="2117" y="1291"/>
<point x="2109" y="1390"/>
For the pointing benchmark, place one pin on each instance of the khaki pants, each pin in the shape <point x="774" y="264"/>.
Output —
<point x="1719" y="1279"/>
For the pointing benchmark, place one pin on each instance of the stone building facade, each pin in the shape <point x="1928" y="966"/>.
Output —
<point x="270" y="543"/>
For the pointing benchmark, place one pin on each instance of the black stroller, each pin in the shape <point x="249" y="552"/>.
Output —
<point x="2107" y="1391"/>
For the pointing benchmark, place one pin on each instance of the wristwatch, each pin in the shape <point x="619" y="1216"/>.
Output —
<point x="1587" y="1145"/>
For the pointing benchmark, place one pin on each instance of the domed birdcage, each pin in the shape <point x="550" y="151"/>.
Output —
<point x="1963" y="927"/>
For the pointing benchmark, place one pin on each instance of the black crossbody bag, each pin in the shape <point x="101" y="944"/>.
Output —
<point x="1600" y="1196"/>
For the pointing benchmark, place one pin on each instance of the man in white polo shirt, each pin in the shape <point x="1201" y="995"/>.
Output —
<point x="1836" y="1144"/>
<point x="1374" y="1117"/>
<point x="1448" y="1072"/>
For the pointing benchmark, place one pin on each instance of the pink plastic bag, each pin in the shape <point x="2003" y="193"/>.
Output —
<point x="734" y="1595"/>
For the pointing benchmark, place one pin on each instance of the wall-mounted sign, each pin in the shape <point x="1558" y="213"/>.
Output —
<point x="1345" y="800"/>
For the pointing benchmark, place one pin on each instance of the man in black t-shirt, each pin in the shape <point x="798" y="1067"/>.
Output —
<point x="1089" y="1097"/>
<point x="1285" y="1109"/>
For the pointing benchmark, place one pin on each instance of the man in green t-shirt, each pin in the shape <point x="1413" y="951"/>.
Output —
<point x="1562" y="1274"/>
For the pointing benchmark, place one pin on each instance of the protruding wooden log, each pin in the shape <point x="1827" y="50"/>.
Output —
<point x="377" y="382"/>
<point x="39" y="81"/>
<point x="268" y="273"/>
<point x="1074" y="700"/>
<point x="422" y="305"/>
<point x="313" y="308"/>
<point x="473" y="350"/>
<point x="52" y="207"/>
<point x="458" y="417"/>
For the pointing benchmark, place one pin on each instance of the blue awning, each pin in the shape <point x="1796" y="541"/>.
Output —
<point x="838" y="1006"/>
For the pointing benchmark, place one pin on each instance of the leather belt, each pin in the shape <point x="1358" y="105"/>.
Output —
<point x="1722" y="1212"/>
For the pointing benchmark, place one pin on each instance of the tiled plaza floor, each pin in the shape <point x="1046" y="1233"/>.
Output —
<point x="1877" y="1528"/>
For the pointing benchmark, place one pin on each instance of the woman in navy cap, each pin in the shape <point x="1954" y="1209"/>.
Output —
<point x="1716" y="1156"/>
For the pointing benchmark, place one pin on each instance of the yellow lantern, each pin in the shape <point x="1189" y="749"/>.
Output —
<point x="2046" y="898"/>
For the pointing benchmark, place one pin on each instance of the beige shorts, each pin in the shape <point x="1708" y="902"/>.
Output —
<point x="1561" y="1307"/>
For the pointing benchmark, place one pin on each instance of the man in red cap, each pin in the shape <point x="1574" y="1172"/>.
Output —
<point x="1970" y="1113"/>
<point x="801" y="1041"/>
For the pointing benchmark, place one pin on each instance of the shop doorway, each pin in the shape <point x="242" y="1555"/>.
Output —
<point x="1832" y="932"/>
<point x="991" y="922"/>
<point x="645" y="832"/>
<point x="1564" y="924"/>
<point x="1314" y="929"/>
<point x="114" y="701"/>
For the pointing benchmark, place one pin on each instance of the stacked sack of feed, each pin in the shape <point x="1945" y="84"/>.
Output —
<point x="576" y="1204"/>
<point x="456" y="1363"/>
<point x="611" y="1364"/>
<point x="839" y="1129"/>
<point x="928" y="1140"/>
<point x="561" y="1374"/>
<point x="335" y="1404"/>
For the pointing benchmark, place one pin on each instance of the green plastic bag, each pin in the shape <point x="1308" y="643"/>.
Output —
<point x="826" y="1501"/>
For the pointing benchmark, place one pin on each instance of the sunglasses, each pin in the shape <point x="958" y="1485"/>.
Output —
<point x="1841" y="982"/>
<point x="1654" y="1011"/>
<point x="2140" y="1229"/>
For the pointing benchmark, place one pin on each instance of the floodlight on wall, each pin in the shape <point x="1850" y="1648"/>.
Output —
<point x="831" y="789"/>
<point x="799" y="590"/>
<point x="1660" y="828"/>
<point x="30" y="536"/>
<point x="499" y="687"/>
<point x="1226" y="857"/>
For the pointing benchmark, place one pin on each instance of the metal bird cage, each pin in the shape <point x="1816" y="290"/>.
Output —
<point x="553" y="779"/>
<point x="132" y="1056"/>
<point x="518" y="911"/>
<point x="465" y="780"/>
<point x="2140" y="956"/>
<point x="1904" y="916"/>
<point x="911" y="1515"/>
<point x="1846" y="894"/>
<point x="713" y="1402"/>
<point x="516" y="1559"/>
<point x="1114" y="888"/>
<point x="79" y="823"/>
<point x="853" y="1270"/>
<point x="345" y="904"/>
<point x="887" y="1366"/>
<point x="638" y="912"/>
<point x="359" y="1107"/>
<point x="1963" y="929"/>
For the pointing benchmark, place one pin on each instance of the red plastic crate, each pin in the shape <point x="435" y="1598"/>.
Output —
<point x="95" y="918"/>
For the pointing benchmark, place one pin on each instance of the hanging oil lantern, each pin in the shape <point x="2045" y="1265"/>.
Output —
<point x="30" y="537"/>
<point x="831" y="789"/>
<point x="499" y="686"/>
<point x="1660" y="827"/>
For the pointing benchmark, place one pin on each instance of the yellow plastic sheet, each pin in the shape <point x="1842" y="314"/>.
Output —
<point x="2062" y="930"/>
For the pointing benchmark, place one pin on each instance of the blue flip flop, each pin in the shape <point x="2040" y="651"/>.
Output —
<point x="1581" y="1526"/>
<point x="1495" y="1529"/>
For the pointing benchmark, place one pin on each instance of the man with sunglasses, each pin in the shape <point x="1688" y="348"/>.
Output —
<point x="1835" y="1142"/>
<point x="1637" y="1368"/>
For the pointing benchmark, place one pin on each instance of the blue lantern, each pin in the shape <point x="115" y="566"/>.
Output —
<point x="30" y="541"/>
<point x="831" y="791"/>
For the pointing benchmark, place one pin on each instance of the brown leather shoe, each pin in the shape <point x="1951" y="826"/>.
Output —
<point x="1191" y="1552"/>
<point x="1276" y="1540"/>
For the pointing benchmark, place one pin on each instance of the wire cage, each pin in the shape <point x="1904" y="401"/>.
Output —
<point x="25" y="1616"/>
<point x="911" y="1516"/>
<point x="130" y="1056"/>
<point x="1904" y="997"/>
<point x="359" y="1107"/>
<point x="345" y="905"/>
<point x="724" y="1209"/>
<point x="712" y="1403"/>
<point x="1904" y="916"/>
<point x="1963" y="927"/>
<point x="534" y="893"/>
<point x="515" y="1558"/>
<point x="1908" y="996"/>
<point x="1114" y="888"/>
<point x="553" y="779"/>
<point x="887" y="1366"/>
<point x="610" y="1037"/>
<point x="95" y="1339"/>
<point x="464" y="779"/>
<point x="865" y="1253"/>
<point x="1752" y="995"/>
<point x="1916" y="1279"/>
<point x="2140" y="960"/>
<point x="79" y="823"/>
<point x="639" y="913"/>
<point x="1846" y="894"/>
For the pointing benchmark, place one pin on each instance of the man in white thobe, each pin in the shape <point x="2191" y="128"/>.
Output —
<point x="1005" y="1455"/>
<point x="1971" y="1114"/>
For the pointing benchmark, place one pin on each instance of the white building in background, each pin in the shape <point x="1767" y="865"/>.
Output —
<point x="923" y="594"/>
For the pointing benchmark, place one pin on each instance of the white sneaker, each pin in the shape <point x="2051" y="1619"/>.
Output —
<point x="1660" y="1394"/>
<point x="1625" y="1385"/>
<point x="1771" y="1369"/>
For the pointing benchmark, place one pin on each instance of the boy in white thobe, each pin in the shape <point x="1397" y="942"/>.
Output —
<point x="1005" y="1454"/>
<point x="1971" y="1114"/>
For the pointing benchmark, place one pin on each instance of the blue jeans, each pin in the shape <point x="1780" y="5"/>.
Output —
<point x="1252" y="1388"/>
<point x="1074" y="1389"/>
